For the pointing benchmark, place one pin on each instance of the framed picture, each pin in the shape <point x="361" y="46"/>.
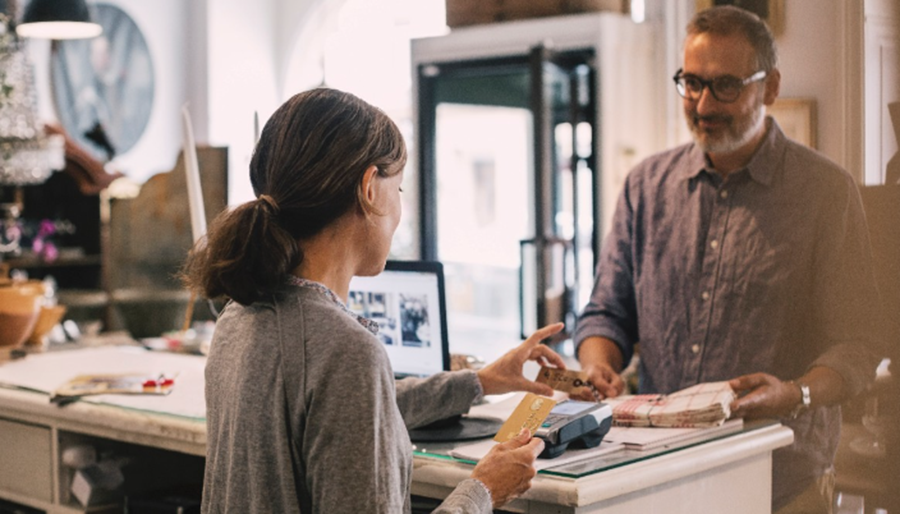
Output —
<point x="772" y="11"/>
<point x="797" y="118"/>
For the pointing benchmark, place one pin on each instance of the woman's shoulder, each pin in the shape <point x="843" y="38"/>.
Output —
<point x="335" y="344"/>
<point x="299" y="316"/>
<point x="291" y="310"/>
<point x="320" y="318"/>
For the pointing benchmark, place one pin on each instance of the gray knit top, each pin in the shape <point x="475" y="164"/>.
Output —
<point x="304" y="415"/>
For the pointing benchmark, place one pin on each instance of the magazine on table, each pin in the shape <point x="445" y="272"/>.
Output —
<point x="119" y="383"/>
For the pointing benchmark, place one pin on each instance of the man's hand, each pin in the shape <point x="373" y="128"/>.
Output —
<point x="508" y="468"/>
<point x="505" y="374"/>
<point x="769" y="397"/>
<point x="766" y="397"/>
<point x="607" y="383"/>
<point x="601" y="359"/>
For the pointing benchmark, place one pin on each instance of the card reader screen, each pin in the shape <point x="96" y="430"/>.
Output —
<point x="571" y="408"/>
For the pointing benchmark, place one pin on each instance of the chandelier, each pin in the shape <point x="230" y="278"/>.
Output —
<point x="28" y="156"/>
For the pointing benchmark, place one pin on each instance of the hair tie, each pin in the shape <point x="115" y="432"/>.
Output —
<point x="270" y="202"/>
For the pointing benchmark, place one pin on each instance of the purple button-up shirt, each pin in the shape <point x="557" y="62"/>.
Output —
<point x="768" y="270"/>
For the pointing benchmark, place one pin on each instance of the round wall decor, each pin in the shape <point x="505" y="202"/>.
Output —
<point x="103" y="87"/>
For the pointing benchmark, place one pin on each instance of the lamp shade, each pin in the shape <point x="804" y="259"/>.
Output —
<point x="58" y="19"/>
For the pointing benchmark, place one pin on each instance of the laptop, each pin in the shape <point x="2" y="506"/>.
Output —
<point x="408" y="303"/>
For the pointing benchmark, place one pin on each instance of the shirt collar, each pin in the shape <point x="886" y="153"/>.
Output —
<point x="368" y="324"/>
<point x="762" y="165"/>
<point x="696" y="162"/>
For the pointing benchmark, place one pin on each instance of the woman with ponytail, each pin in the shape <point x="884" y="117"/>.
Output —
<point x="303" y="413"/>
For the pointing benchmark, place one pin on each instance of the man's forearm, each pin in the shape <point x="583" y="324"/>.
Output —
<point x="595" y="350"/>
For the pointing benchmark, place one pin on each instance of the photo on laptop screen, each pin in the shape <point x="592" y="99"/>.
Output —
<point x="407" y="302"/>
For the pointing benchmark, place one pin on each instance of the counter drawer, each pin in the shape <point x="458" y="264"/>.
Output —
<point x="25" y="460"/>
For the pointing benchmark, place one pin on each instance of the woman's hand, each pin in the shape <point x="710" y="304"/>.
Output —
<point x="505" y="374"/>
<point x="508" y="468"/>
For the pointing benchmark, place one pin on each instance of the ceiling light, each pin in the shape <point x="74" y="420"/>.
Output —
<point x="58" y="19"/>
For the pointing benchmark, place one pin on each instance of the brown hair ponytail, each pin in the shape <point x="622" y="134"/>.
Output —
<point x="306" y="171"/>
<point x="246" y="253"/>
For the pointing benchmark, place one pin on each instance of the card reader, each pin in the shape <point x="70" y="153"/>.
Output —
<point x="576" y="423"/>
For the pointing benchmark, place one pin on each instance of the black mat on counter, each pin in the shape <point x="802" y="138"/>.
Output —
<point x="456" y="429"/>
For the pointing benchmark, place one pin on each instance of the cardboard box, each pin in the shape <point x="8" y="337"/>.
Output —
<point x="461" y="13"/>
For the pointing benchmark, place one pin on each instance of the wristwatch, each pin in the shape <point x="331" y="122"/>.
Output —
<point x="804" y="399"/>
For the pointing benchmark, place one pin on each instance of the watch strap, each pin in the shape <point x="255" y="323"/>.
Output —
<point x="805" y="400"/>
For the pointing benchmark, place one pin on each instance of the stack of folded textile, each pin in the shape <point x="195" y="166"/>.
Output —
<point x="702" y="405"/>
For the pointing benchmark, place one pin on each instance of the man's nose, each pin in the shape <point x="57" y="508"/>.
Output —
<point x="706" y="101"/>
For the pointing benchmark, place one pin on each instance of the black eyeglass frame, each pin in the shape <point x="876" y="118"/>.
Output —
<point x="710" y="85"/>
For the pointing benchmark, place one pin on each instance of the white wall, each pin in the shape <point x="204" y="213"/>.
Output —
<point x="839" y="52"/>
<point x="229" y="59"/>
<point x="294" y="16"/>
<point x="220" y="57"/>
<point x="810" y="63"/>
<point x="882" y="69"/>
<point x="242" y="80"/>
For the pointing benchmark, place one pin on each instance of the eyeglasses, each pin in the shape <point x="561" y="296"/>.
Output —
<point x="726" y="88"/>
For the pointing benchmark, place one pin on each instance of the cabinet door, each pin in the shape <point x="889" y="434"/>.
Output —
<point x="507" y="200"/>
<point x="25" y="458"/>
<point x="560" y="254"/>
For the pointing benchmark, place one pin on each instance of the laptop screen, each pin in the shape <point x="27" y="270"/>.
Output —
<point x="407" y="301"/>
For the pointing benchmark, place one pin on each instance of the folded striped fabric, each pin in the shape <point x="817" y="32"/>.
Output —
<point x="702" y="405"/>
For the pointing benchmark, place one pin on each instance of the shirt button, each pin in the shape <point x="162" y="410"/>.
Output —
<point x="705" y="295"/>
<point x="723" y="194"/>
<point x="714" y="244"/>
<point x="695" y="349"/>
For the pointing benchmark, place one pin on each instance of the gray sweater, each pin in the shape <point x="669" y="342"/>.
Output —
<point x="304" y="415"/>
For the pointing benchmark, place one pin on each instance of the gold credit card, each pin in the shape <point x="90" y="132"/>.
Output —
<point x="530" y="413"/>
<point x="565" y="380"/>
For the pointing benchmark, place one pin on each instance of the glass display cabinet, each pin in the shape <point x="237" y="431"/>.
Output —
<point x="525" y="131"/>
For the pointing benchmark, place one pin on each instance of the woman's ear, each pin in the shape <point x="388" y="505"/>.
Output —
<point x="368" y="191"/>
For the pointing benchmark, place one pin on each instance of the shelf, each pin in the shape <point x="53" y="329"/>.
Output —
<point x="83" y="297"/>
<point x="31" y="261"/>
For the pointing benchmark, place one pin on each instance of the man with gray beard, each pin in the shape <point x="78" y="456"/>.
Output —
<point x="743" y="256"/>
